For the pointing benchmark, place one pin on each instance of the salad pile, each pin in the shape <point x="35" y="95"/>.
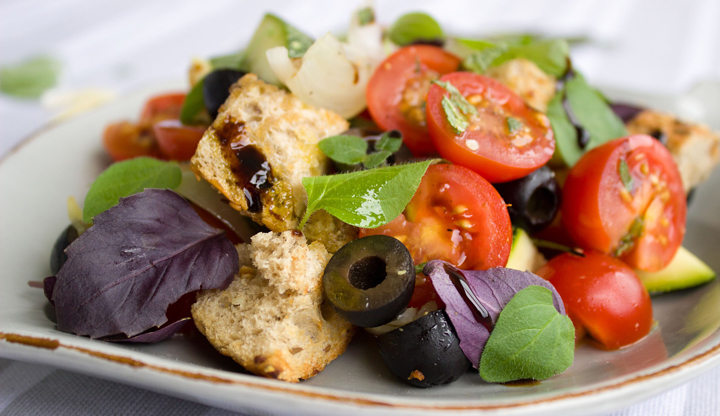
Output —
<point x="467" y="164"/>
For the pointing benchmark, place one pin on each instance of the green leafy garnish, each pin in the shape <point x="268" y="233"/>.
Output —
<point x="593" y="112"/>
<point x="484" y="58"/>
<point x="514" y="124"/>
<point x="367" y="198"/>
<point x="412" y="27"/>
<point x="29" y="79"/>
<point x="567" y="149"/>
<point x="352" y="150"/>
<point x="531" y="340"/>
<point x="625" y="177"/>
<point x="456" y="107"/>
<point x="627" y="241"/>
<point x="366" y="16"/>
<point x="232" y="61"/>
<point x="549" y="55"/>
<point x="194" y="104"/>
<point x="349" y="150"/>
<point x="419" y="267"/>
<point x="127" y="178"/>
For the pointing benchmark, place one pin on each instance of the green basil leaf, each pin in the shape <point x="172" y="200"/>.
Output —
<point x="458" y="121"/>
<point x="514" y="124"/>
<point x="29" y="79"/>
<point x="567" y="149"/>
<point x="391" y="144"/>
<point x="628" y="240"/>
<point x="127" y="178"/>
<point x="549" y="55"/>
<point x="480" y="61"/>
<point x="593" y="112"/>
<point x="411" y="27"/>
<point x="376" y="159"/>
<point x="531" y="340"/>
<point x="349" y="150"/>
<point x="625" y="177"/>
<point x="367" y="198"/>
<point x="193" y="105"/>
<point x="366" y="16"/>
<point x="458" y="99"/>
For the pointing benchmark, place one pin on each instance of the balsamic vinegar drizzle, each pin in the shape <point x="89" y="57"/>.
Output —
<point x="249" y="166"/>
<point x="481" y="315"/>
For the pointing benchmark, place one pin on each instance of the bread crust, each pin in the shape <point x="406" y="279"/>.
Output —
<point x="272" y="319"/>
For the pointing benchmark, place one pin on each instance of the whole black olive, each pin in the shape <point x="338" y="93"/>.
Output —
<point x="369" y="281"/>
<point x="57" y="255"/>
<point x="425" y="352"/>
<point x="533" y="200"/>
<point x="371" y="136"/>
<point x="216" y="88"/>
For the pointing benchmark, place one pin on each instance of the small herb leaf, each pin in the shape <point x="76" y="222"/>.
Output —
<point x="625" y="176"/>
<point x="411" y="27"/>
<point x="458" y="99"/>
<point x="514" y="124"/>
<point x="389" y="143"/>
<point x="480" y="61"/>
<point x="193" y="105"/>
<point x="349" y="150"/>
<point x="368" y="198"/>
<point x="29" y="79"/>
<point x="455" y="117"/>
<point x="376" y="159"/>
<point x="593" y="112"/>
<point x="567" y="149"/>
<point x="127" y="178"/>
<point x="366" y="16"/>
<point x="531" y="340"/>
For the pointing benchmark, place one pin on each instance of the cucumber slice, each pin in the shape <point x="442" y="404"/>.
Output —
<point x="523" y="254"/>
<point x="684" y="271"/>
<point x="273" y="32"/>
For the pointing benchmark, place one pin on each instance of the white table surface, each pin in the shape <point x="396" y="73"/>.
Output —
<point x="659" y="46"/>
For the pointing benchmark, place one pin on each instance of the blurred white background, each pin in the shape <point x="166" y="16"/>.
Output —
<point x="652" y="46"/>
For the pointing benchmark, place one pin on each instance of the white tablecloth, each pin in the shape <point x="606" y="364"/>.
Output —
<point x="644" y="45"/>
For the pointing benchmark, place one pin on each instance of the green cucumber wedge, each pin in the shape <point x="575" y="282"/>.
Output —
<point x="271" y="33"/>
<point x="684" y="271"/>
<point x="523" y="254"/>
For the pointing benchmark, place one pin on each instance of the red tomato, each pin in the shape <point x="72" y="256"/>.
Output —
<point x="602" y="296"/>
<point x="456" y="216"/>
<point x="161" y="107"/>
<point x="397" y="91"/>
<point x="176" y="140"/>
<point x="641" y="220"/>
<point x="506" y="140"/>
<point x="125" y="140"/>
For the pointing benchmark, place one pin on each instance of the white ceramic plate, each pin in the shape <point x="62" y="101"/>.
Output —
<point x="63" y="160"/>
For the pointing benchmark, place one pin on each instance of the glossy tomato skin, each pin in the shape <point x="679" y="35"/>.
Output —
<point x="489" y="146"/>
<point x="396" y="92"/>
<point x="161" y="107"/>
<point x="125" y="140"/>
<point x="602" y="296"/>
<point x="176" y="140"/>
<point x="643" y="225"/>
<point x="456" y="216"/>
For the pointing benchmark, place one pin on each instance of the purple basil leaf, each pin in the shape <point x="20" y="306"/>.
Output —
<point x="493" y="288"/>
<point x="48" y="287"/>
<point x="626" y="112"/>
<point x="152" y="336"/>
<point x="139" y="257"/>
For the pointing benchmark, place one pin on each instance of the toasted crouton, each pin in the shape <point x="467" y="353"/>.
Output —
<point x="272" y="319"/>
<point x="695" y="148"/>
<point x="261" y="145"/>
<point x="527" y="80"/>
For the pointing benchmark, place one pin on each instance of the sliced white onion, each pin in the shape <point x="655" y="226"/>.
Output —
<point x="408" y="315"/>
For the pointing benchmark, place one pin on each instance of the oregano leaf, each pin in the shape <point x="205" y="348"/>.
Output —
<point x="458" y="121"/>
<point x="367" y="198"/>
<point x="531" y="340"/>
<point x="625" y="177"/>
<point x="126" y="178"/>
<point x="388" y="142"/>
<point x="346" y="149"/>
<point x="514" y="124"/>
<point x="376" y="159"/>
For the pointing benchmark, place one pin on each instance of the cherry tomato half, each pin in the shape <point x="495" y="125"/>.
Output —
<point x="456" y="216"/>
<point x="397" y="91"/>
<point x="176" y="140"/>
<point x="626" y="198"/>
<point x="126" y="140"/>
<point x="506" y="140"/>
<point x="602" y="296"/>
<point x="161" y="107"/>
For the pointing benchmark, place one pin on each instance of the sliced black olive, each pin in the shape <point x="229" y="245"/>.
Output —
<point x="626" y="112"/>
<point x="371" y="136"/>
<point x="58" y="256"/>
<point x="369" y="281"/>
<point x="425" y="352"/>
<point x="533" y="200"/>
<point x="216" y="88"/>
